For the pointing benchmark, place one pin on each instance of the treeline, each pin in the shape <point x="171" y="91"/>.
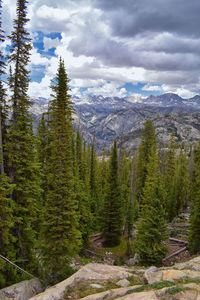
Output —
<point x="55" y="191"/>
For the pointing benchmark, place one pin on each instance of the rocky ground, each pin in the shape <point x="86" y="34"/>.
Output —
<point x="104" y="282"/>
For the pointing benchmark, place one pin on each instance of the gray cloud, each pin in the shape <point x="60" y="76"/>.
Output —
<point x="129" y="18"/>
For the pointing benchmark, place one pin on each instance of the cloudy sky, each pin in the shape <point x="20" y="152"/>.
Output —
<point x="114" y="47"/>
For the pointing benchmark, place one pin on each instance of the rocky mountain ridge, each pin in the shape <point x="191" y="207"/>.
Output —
<point x="107" y="118"/>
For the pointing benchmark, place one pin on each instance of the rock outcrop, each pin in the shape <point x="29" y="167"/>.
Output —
<point x="22" y="290"/>
<point x="90" y="273"/>
<point x="100" y="282"/>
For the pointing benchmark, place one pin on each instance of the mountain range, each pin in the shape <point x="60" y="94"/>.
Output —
<point x="102" y="119"/>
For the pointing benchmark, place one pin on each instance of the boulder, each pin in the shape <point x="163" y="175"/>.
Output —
<point x="152" y="274"/>
<point x="22" y="290"/>
<point x="123" y="283"/>
<point x="90" y="272"/>
<point x="193" y="264"/>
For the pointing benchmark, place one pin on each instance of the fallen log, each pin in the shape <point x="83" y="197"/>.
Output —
<point x="93" y="253"/>
<point x="178" y="241"/>
<point x="175" y="253"/>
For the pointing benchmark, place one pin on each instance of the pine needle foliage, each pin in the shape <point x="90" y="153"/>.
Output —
<point x="170" y="172"/>
<point x="143" y="156"/>
<point x="194" y="240"/>
<point x="61" y="237"/>
<point x="82" y="191"/>
<point x="7" y="239"/>
<point x="151" y="228"/>
<point x="113" y="206"/>
<point x="22" y="166"/>
<point x="3" y="104"/>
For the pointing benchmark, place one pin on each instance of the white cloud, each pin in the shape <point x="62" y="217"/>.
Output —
<point x="41" y="89"/>
<point x="107" y="90"/>
<point x="50" y="43"/>
<point x="149" y="87"/>
<point x="181" y="91"/>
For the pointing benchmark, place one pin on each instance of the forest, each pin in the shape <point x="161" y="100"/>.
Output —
<point x="55" y="190"/>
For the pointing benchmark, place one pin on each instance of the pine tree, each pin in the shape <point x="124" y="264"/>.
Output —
<point x="182" y="181"/>
<point x="127" y="198"/>
<point x="145" y="149"/>
<point x="82" y="191"/>
<point x="113" y="210"/>
<point x="102" y="174"/>
<point x="3" y="104"/>
<point x="61" y="237"/>
<point x="21" y="155"/>
<point x="194" y="240"/>
<point x="7" y="239"/>
<point x="94" y="189"/>
<point x="151" y="228"/>
<point x="170" y="172"/>
<point x="126" y="190"/>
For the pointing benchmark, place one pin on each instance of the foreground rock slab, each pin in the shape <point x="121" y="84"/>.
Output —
<point x="110" y="294"/>
<point x="22" y="290"/>
<point x="90" y="272"/>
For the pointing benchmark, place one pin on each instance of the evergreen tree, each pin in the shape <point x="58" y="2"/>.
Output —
<point x="82" y="191"/>
<point x="182" y="181"/>
<point x="144" y="152"/>
<point x="61" y="237"/>
<point x="94" y="189"/>
<point x="151" y="228"/>
<point x="127" y="198"/>
<point x="7" y="239"/>
<point x="3" y="104"/>
<point x="113" y="210"/>
<point x="8" y="274"/>
<point x="102" y="175"/>
<point x="126" y="190"/>
<point x="22" y="166"/>
<point x="194" y="240"/>
<point x="170" y="175"/>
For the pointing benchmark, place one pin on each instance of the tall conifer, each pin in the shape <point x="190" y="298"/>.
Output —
<point x="7" y="239"/>
<point x="82" y="191"/>
<point x="60" y="234"/>
<point x="22" y="166"/>
<point x="144" y="152"/>
<point x="151" y="229"/>
<point x="113" y="207"/>
<point x="194" y="240"/>
<point x="170" y="166"/>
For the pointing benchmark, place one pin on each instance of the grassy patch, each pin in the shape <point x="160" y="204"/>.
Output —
<point x="84" y="260"/>
<point x="135" y="280"/>
<point x="147" y="287"/>
<point x="119" y="252"/>
<point x="176" y="289"/>
<point x="83" y="289"/>
<point x="189" y="280"/>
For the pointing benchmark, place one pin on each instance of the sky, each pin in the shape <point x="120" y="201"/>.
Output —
<point x="129" y="48"/>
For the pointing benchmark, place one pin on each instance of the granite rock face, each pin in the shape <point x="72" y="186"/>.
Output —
<point x="22" y="290"/>
<point x="159" y="284"/>
<point x="97" y="273"/>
